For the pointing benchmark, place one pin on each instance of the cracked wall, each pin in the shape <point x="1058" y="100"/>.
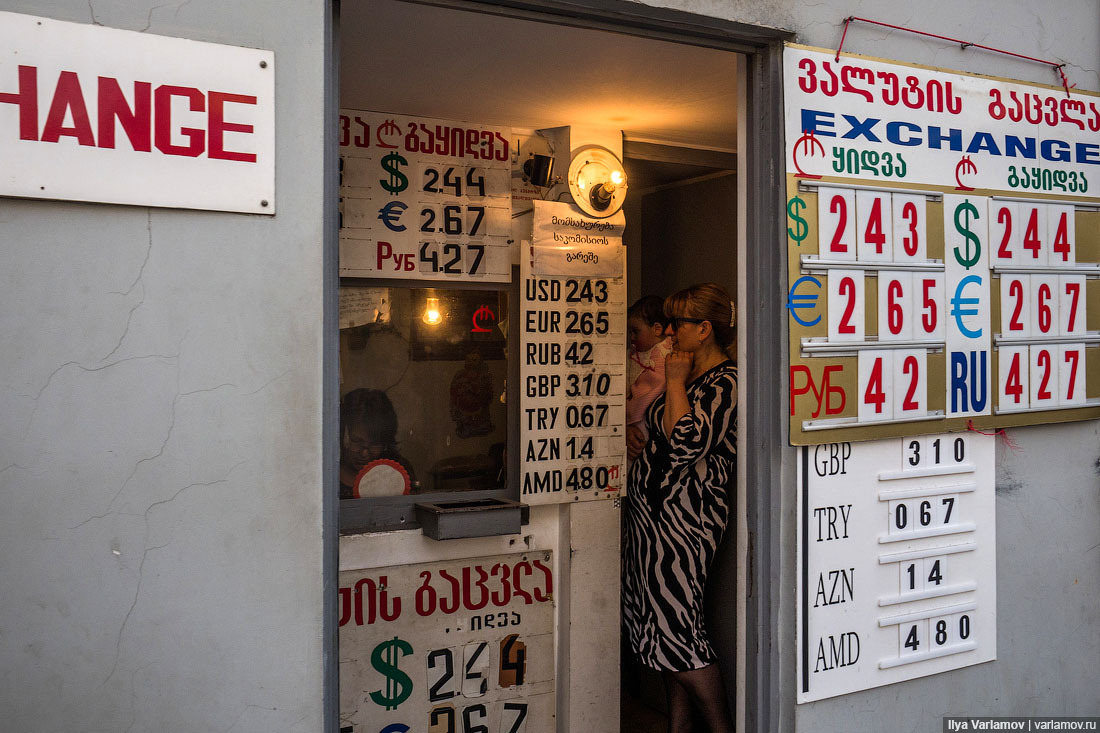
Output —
<point x="160" y="445"/>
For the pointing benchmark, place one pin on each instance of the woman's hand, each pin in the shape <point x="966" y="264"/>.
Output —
<point x="678" y="366"/>
<point x="635" y="442"/>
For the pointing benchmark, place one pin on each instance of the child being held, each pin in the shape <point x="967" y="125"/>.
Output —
<point x="645" y="367"/>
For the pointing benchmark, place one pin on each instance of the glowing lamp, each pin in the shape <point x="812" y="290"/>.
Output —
<point x="432" y="315"/>
<point x="597" y="181"/>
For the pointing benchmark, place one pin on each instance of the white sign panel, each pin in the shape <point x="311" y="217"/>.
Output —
<point x="424" y="199"/>
<point x="89" y="113"/>
<point x="462" y="645"/>
<point x="897" y="561"/>
<point x="862" y="118"/>
<point x="573" y="368"/>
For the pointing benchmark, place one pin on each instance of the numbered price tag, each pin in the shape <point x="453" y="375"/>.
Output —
<point x="836" y="208"/>
<point x="910" y="383"/>
<point x="1042" y="305"/>
<point x="1032" y="235"/>
<point x="1034" y="243"/>
<point x="928" y="299"/>
<point x="933" y="637"/>
<point x="1046" y="298"/>
<point x="846" y="306"/>
<point x="1060" y="234"/>
<point x="1044" y="376"/>
<point x="1013" y="378"/>
<point x="893" y="384"/>
<point x="924" y="573"/>
<point x="874" y="227"/>
<point x="934" y="452"/>
<point x="1004" y="233"/>
<point x="918" y="516"/>
<point x="1071" y="308"/>
<point x="895" y="306"/>
<point x="1017" y="318"/>
<point x="458" y="258"/>
<point x="910" y="244"/>
<point x="1056" y="375"/>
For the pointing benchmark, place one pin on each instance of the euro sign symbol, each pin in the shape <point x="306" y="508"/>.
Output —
<point x="398" y="181"/>
<point x="957" y="303"/>
<point x="384" y="658"/>
<point x="801" y="228"/>
<point x="963" y="213"/>
<point x="796" y="301"/>
<point x="390" y="214"/>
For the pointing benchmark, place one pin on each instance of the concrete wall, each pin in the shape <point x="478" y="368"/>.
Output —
<point x="160" y="438"/>
<point x="1048" y="491"/>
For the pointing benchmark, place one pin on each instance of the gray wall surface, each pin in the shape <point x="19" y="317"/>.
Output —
<point x="1048" y="490"/>
<point x="160" y="431"/>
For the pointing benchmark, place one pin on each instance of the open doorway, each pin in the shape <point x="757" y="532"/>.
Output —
<point x="673" y="106"/>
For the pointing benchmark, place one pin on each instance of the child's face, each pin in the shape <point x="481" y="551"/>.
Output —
<point x="643" y="335"/>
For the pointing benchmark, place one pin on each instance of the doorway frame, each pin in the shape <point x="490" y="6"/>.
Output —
<point x="764" y="685"/>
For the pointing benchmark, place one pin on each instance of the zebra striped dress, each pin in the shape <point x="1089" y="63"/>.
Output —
<point x="677" y="510"/>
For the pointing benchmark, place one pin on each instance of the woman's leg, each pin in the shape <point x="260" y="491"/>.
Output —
<point x="706" y="693"/>
<point x="679" y="704"/>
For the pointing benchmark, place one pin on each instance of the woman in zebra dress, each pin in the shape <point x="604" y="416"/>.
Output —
<point x="680" y="488"/>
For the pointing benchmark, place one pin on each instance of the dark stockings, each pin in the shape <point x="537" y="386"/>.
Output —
<point x="699" y="690"/>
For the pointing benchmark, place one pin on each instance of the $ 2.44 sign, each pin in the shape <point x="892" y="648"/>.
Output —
<point x="451" y="676"/>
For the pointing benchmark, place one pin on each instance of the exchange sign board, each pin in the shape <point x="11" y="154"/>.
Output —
<point x="897" y="561"/>
<point x="943" y="249"/>
<point x="89" y="113"/>
<point x="424" y="199"/>
<point x="573" y="368"/>
<point x="463" y="645"/>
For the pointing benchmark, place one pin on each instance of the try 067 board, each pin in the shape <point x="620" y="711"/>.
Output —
<point x="943" y="252"/>
<point x="897" y="560"/>
<point x="449" y="647"/>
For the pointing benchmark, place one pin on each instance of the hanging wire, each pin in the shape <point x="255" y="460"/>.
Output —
<point x="1058" y="67"/>
<point x="1001" y="433"/>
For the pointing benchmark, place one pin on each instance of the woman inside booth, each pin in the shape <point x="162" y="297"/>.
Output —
<point x="679" y="504"/>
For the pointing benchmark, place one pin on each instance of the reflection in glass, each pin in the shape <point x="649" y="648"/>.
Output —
<point x="422" y="390"/>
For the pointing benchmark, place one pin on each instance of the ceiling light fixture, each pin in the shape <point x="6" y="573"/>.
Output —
<point x="597" y="181"/>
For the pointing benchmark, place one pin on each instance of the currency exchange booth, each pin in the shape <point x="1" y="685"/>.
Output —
<point x="502" y="203"/>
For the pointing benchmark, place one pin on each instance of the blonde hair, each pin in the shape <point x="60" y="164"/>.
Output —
<point x="712" y="303"/>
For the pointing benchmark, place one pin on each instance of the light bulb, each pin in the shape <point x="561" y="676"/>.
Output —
<point x="432" y="315"/>
<point x="617" y="177"/>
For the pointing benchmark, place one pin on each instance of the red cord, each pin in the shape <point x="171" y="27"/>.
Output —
<point x="965" y="44"/>
<point x="1009" y="443"/>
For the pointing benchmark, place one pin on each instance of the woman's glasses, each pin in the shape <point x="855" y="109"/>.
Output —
<point x="677" y="321"/>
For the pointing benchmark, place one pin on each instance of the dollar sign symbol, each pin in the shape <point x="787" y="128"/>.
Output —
<point x="963" y="212"/>
<point x="384" y="658"/>
<point x="801" y="227"/>
<point x="398" y="182"/>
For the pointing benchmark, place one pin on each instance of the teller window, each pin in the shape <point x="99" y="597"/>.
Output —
<point x="425" y="414"/>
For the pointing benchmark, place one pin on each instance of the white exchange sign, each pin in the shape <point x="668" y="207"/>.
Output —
<point x="857" y="117"/>
<point x="89" y="113"/>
